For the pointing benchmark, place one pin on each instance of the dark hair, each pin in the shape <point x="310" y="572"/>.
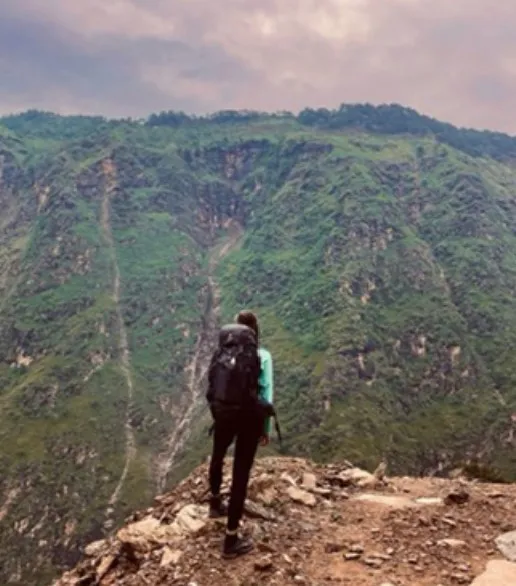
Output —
<point x="249" y="319"/>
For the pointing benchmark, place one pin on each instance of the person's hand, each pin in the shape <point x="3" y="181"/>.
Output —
<point x="264" y="440"/>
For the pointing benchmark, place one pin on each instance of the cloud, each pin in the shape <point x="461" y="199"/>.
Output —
<point x="453" y="60"/>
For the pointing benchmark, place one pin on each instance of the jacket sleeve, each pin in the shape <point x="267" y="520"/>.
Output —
<point x="267" y="386"/>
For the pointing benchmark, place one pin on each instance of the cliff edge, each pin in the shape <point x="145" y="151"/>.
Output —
<point x="315" y="525"/>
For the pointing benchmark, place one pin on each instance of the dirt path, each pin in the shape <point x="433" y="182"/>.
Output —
<point x="123" y="346"/>
<point x="197" y="368"/>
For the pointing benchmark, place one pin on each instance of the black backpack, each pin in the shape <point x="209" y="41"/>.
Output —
<point x="234" y="369"/>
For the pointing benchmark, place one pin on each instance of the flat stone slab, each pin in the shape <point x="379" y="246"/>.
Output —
<point x="398" y="502"/>
<point x="429" y="500"/>
<point x="498" y="573"/>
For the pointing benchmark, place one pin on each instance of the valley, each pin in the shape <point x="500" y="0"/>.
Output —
<point x="377" y="246"/>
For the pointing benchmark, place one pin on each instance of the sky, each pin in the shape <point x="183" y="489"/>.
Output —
<point x="451" y="59"/>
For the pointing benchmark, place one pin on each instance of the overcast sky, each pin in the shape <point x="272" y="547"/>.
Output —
<point x="452" y="59"/>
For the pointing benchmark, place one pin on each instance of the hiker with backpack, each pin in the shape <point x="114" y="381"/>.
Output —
<point x="240" y="394"/>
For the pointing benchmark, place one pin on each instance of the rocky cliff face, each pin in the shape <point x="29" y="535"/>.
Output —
<point x="383" y="269"/>
<point x="315" y="525"/>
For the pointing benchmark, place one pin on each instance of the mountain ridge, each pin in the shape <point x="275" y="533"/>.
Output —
<point x="382" y="119"/>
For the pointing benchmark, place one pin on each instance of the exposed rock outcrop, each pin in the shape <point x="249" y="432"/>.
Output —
<point x="316" y="525"/>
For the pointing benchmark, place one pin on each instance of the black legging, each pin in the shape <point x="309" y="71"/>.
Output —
<point x="247" y="431"/>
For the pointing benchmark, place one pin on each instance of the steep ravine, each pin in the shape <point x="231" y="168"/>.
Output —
<point x="196" y="369"/>
<point x="124" y="355"/>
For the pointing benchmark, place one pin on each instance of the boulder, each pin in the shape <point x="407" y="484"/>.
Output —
<point x="191" y="519"/>
<point x="147" y="534"/>
<point x="95" y="548"/>
<point x="301" y="496"/>
<point x="506" y="543"/>
<point x="358" y="477"/>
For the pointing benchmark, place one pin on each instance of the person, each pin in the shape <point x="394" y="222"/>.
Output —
<point x="249" y="428"/>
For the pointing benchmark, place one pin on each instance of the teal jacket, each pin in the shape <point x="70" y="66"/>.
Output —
<point x="265" y="382"/>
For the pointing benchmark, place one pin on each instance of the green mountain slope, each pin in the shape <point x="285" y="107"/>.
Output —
<point x="377" y="246"/>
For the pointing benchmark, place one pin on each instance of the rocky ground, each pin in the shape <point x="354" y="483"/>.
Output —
<point x="316" y="525"/>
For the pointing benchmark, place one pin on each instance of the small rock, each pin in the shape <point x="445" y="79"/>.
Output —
<point x="191" y="518"/>
<point x="309" y="481"/>
<point x="256" y="531"/>
<point x="352" y="556"/>
<point x="379" y="473"/>
<point x="322" y="491"/>
<point x="256" y="511"/>
<point x="266" y="547"/>
<point x="268" y="496"/>
<point x="449" y="522"/>
<point x="287" y="478"/>
<point x="358" y="477"/>
<point x="170" y="556"/>
<point x="496" y="495"/>
<point x="457" y="497"/>
<point x="459" y="578"/>
<point x="264" y="565"/>
<point x="308" y="527"/>
<point x="381" y="556"/>
<point x="372" y="562"/>
<point x="429" y="500"/>
<point x="105" y="566"/>
<point x="299" y="579"/>
<point x="453" y="543"/>
<point x="357" y="548"/>
<point x="144" y="535"/>
<point x="333" y="547"/>
<point x="301" y="496"/>
<point x="95" y="548"/>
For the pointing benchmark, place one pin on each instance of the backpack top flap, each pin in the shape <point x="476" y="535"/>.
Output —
<point x="236" y="335"/>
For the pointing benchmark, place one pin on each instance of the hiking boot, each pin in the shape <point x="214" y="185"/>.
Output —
<point x="217" y="508"/>
<point x="235" y="546"/>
